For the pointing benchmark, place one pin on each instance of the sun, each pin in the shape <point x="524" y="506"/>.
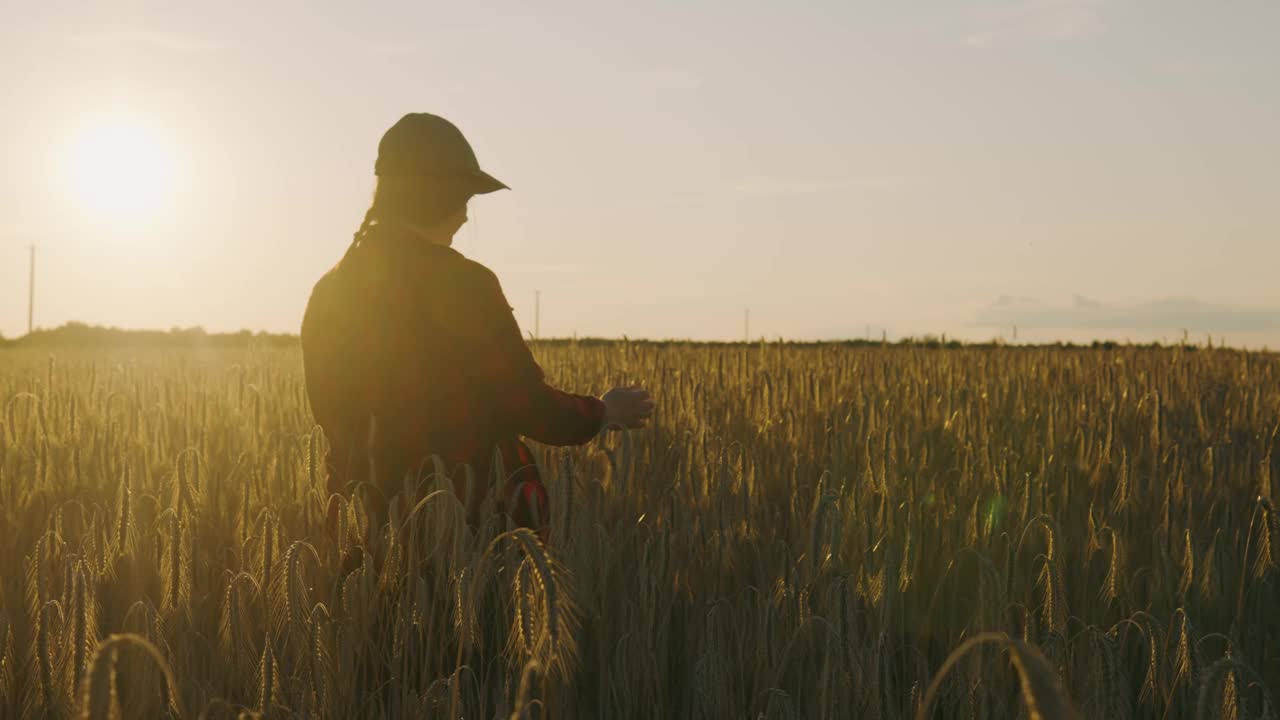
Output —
<point x="121" y="169"/>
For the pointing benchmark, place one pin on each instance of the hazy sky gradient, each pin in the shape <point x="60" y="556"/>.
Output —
<point x="1082" y="168"/>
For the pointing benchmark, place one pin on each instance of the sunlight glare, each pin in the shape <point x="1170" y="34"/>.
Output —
<point x="120" y="169"/>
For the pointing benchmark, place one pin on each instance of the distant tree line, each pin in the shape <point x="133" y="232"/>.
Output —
<point x="77" y="334"/>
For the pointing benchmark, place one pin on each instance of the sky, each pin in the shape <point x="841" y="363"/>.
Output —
<point x="1078" y="169"/>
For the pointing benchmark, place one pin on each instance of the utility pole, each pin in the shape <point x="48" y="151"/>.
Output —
<point x="31" y="292"/>
<point x="746" y="325"/>
<point x="537" y="314"/>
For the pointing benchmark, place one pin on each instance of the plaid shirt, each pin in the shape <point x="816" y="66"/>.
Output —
<point x="411" y="350"/>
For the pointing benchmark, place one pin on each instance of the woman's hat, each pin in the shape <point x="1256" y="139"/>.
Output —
<point x="426" y="145"/>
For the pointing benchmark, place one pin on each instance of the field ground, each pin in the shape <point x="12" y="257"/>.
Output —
<point x="805" y="532"/>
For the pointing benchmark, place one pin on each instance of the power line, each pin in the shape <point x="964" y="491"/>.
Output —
<point x="31" y="292"/>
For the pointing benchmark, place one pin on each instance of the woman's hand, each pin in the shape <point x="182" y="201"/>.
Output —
<point x="629" y="407"/>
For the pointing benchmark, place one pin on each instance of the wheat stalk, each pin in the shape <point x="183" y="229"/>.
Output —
<point x="1040" y="687"/>
<point x="100" y="690"/>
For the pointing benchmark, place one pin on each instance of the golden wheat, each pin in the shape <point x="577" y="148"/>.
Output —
<point x="804" y="531"/>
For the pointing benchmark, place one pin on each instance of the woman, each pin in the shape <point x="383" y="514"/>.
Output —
<point x="411" y="350"/>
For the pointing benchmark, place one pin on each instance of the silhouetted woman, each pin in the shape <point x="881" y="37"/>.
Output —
<point x="410" y="349"/>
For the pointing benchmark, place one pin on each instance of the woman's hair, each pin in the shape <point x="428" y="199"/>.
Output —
<point x="423" y="201"/>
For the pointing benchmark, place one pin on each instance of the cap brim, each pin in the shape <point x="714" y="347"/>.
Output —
<point x="486" y="183"/>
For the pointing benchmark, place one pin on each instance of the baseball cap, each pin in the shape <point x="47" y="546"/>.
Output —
<point x="426" y="145"/>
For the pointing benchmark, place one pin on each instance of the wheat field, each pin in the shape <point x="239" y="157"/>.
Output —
<point x="823" y="531"/>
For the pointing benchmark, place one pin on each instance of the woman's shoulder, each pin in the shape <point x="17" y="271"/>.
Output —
<point x="470" y="273"/>
<point x="471" y="299"/>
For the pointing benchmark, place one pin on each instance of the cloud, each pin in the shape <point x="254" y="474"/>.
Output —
<point x="1184" y="67"/>
<point x="786" y="187"/>
<point x="414" y="44"/>
<point x="673" y="79"/>
<point x="391" y="48"/>
<point x="1036" y="20"/>
<point x="162" y="40"/>
<point x="548" y="268"/>
<point x="493" y="28"/>
<point x="1173" y="313"/>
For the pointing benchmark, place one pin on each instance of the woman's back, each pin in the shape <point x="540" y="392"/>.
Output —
<point x="389" y="338"/>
